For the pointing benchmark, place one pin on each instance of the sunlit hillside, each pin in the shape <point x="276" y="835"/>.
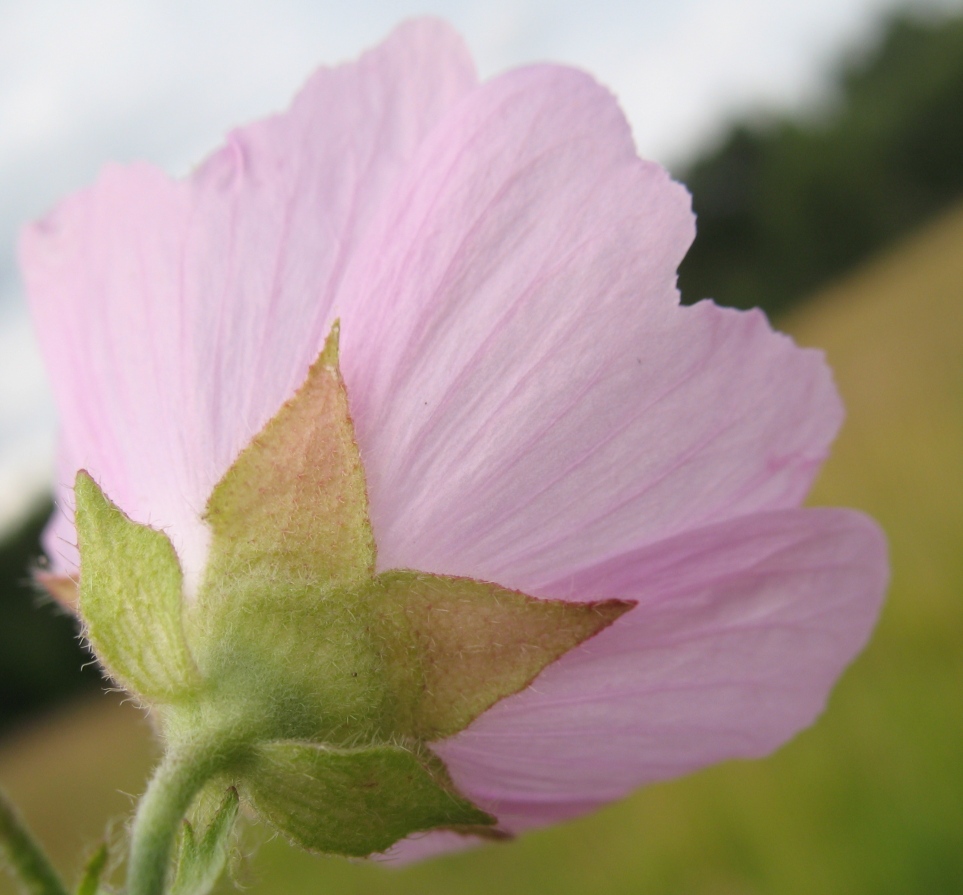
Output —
<point x="868" y="801"/>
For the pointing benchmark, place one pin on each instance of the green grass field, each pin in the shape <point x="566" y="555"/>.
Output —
<point x="870" y="800"/>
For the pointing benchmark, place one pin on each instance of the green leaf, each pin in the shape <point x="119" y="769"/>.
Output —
<point x="131" y="598"/>
<point x="354" y="802"/>
<point x="200" y="862"/>
<point x="460" y="645"/>
<point x="90" y="881"/>
<point x="293" y="506"/>
<point x="23" y="857"/>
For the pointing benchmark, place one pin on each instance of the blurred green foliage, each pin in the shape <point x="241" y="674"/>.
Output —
<point x="786" y="204"/>
<point x="41" y="660"/>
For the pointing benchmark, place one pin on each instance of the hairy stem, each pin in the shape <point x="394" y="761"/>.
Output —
<point x="27" y="862"/>
<point x="177" y="780"/>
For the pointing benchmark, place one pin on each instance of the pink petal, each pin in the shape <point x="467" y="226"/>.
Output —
<point x="528" y="395"/>
<point x="422" y="846"/>
<point x="740" y="631"/>
<point x="60" y="537"/>
<point x="176" y="317"/>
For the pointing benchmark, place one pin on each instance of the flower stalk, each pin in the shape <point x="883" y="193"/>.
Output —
<point x="177" y="780"/>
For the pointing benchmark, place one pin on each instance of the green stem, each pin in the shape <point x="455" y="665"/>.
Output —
<point x="27" y="862"/>
<point x="177" y="780"/>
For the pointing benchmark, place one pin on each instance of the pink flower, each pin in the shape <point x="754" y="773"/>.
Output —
<point x="532" y="404"/>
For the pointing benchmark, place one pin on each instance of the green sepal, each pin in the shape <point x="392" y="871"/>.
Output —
<point x="280" y="612"/>
<point x="293" y="506"/>
<point x="292" y="623"/>
<point x="354" y="802"/>
<point x="93" y="871"/>
<point x="460" y="645"/>
<point x="131" y="598"/>
<point x="201" y="861"/>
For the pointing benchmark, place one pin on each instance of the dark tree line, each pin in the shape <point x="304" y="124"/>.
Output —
<point x="41" y="659"/>
<point x="786" y="204"/>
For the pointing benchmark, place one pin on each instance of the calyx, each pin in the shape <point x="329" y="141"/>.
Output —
<point x="325" y="679"/>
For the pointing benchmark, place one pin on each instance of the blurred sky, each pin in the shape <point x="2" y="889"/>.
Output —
<point x="83" y="82"/>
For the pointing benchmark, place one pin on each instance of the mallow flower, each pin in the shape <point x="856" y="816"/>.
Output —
<point x="397" y="482"/>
